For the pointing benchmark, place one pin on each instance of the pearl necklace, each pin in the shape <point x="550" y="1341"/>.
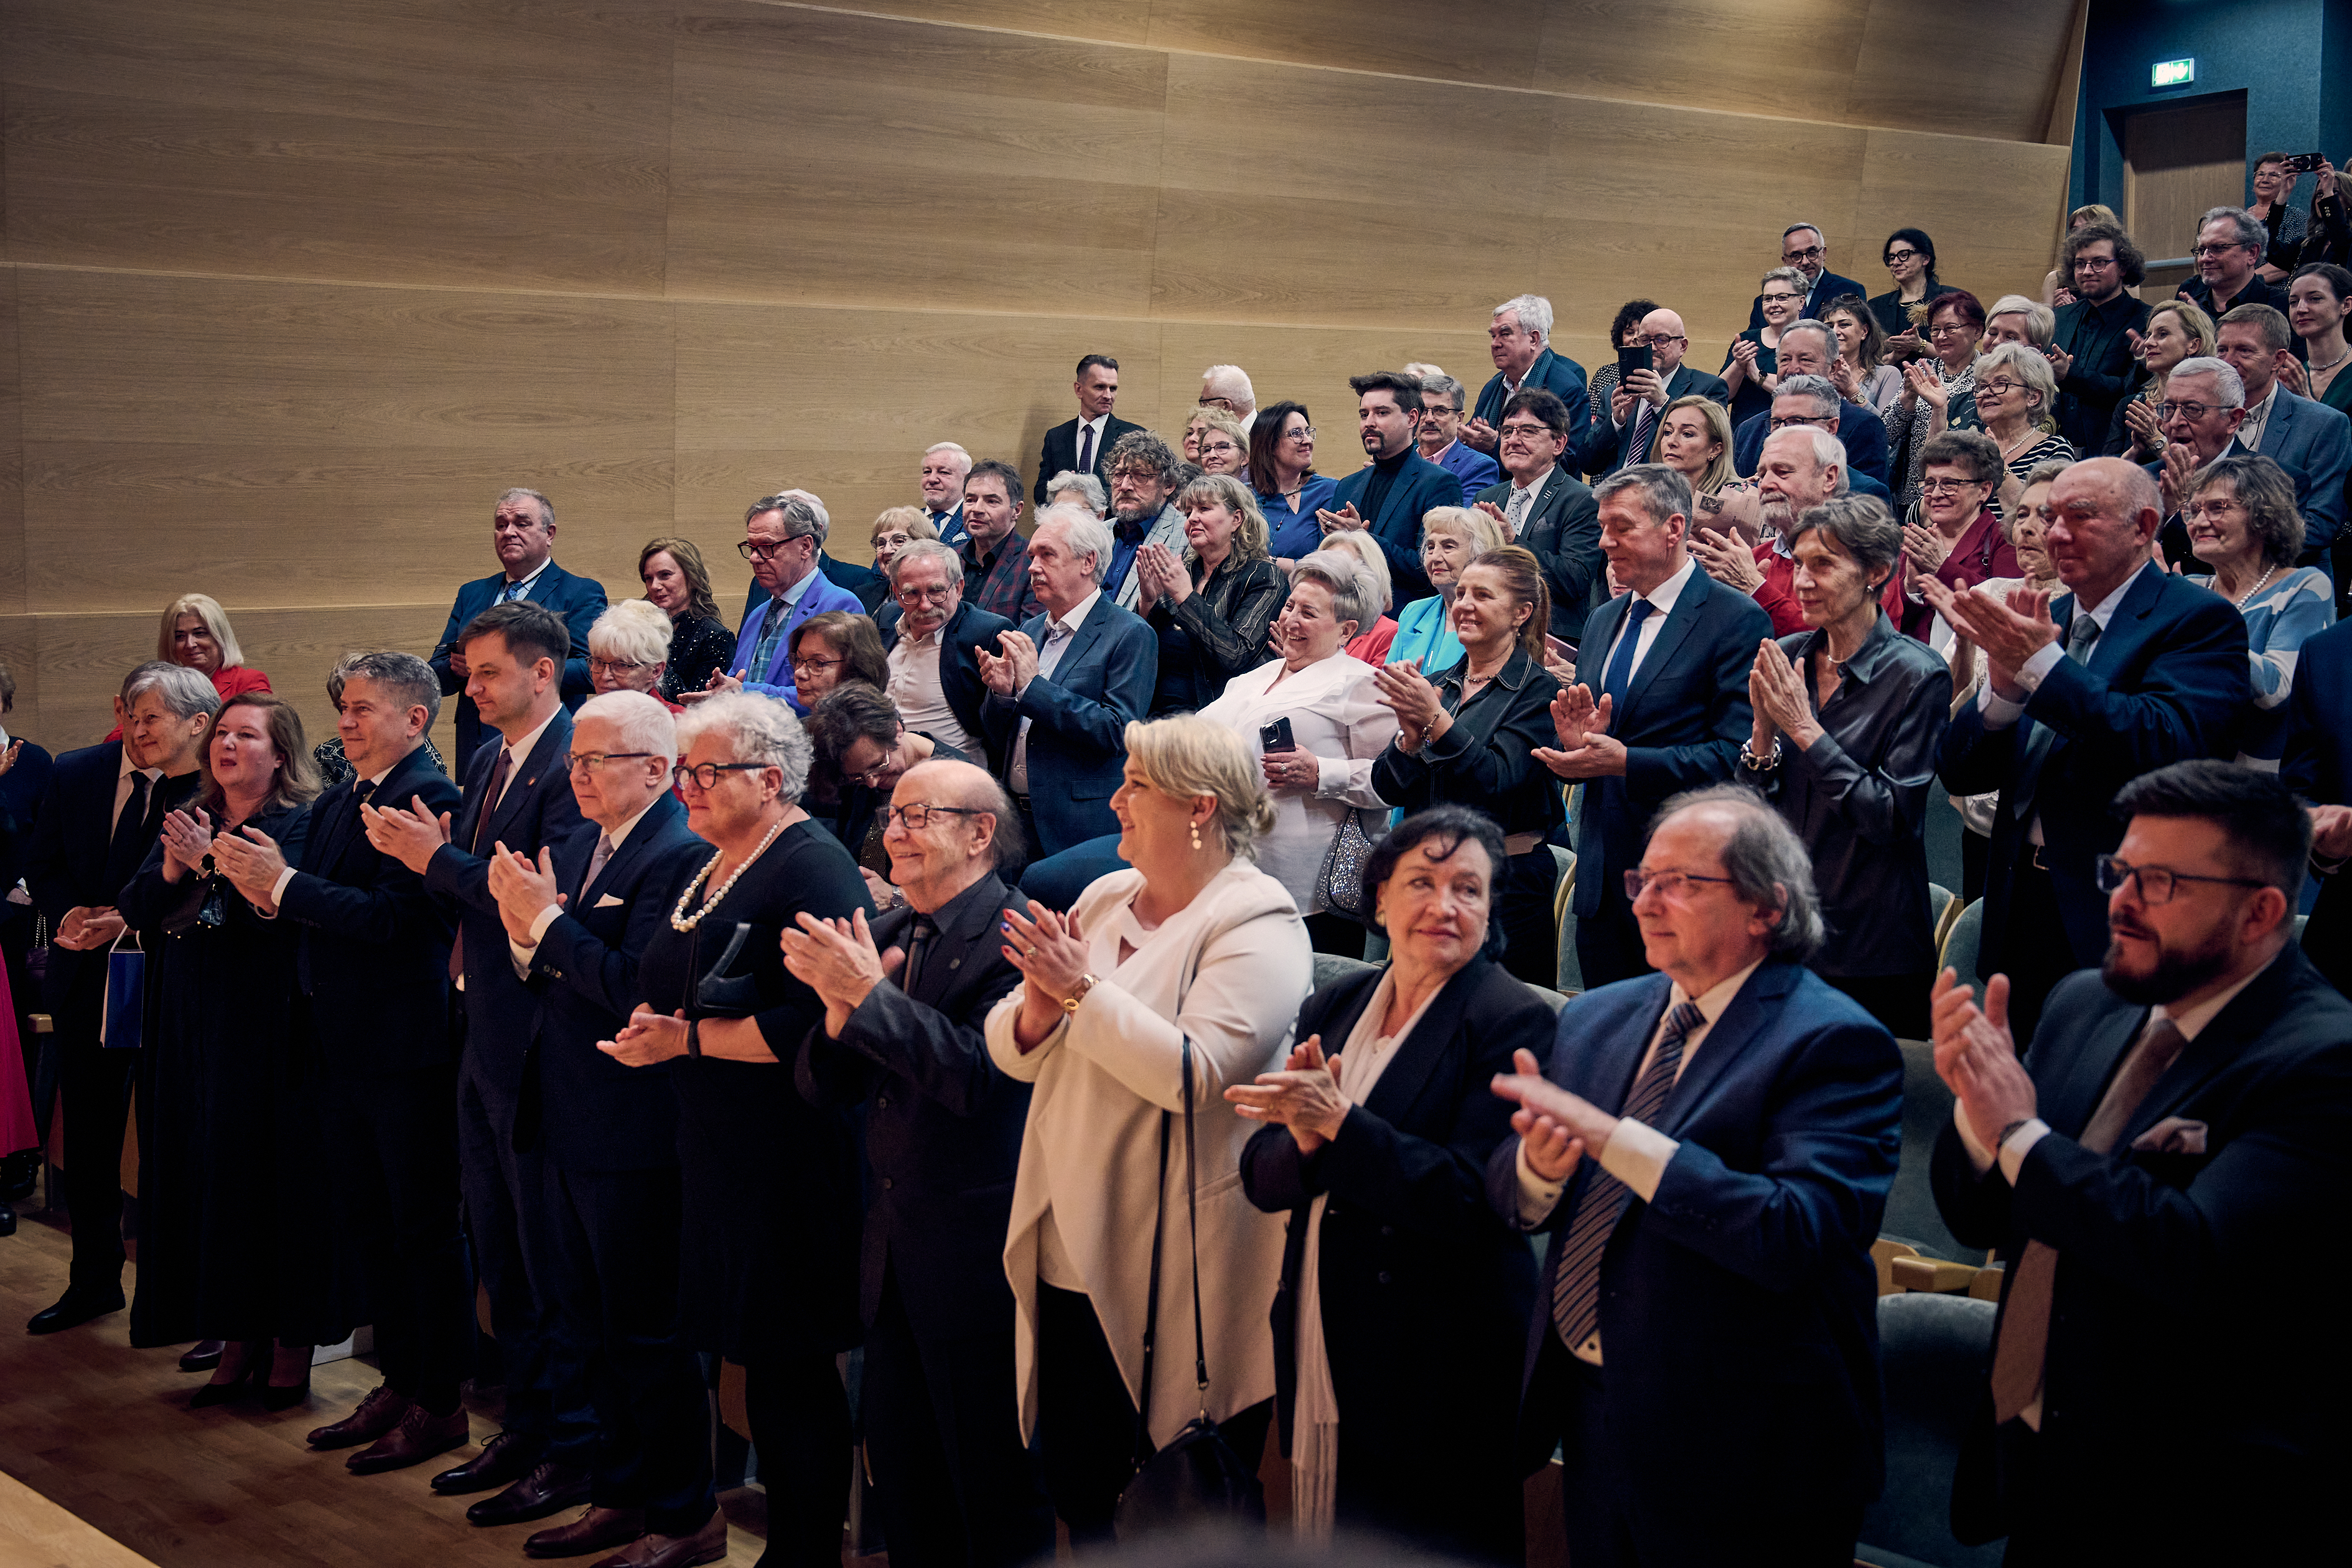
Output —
<point x="2239" y="602"/>
<point x="679" y="921"/>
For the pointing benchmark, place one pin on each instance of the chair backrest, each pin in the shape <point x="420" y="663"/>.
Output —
<point x="1330" y="966"/>
<point x="1555" y="998"/>
<point x="1570" y="973"/>
<point x="1943" y="909"/>
<point x="1936" y="1353"/>
<point x="1960" y="946"/>
<point x="1911" y="1214"/>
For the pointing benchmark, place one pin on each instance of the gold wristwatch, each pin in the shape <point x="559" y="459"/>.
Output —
<point x="1070" y="1003"/>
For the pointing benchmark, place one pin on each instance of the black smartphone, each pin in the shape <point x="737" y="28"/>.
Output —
<point x="1630" y="360"/>
<point x="1276" y="737"/>
<point x="2304" y="162"/>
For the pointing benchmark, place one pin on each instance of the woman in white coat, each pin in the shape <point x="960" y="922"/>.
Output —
<point x="1337" y="725"/>
<point x="1192" y="943"/>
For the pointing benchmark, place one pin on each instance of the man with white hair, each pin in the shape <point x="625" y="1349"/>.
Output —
<point x="1520" y="340"/>
<point x="1807" y="351"/>
<point x="1084" y="443"/>
<point x="945" y="464"/>
<point x="1801" y="466"/>
<point x="933" y="642"/>
<point x="1067" y="686"/>
<point x="1228" y="386"/>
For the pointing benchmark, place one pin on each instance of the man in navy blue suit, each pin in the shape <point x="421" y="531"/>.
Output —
<point x="1390" y="495"/>
<point x="1668" y="659"/>
<point x="933" y="646"/>
<point x="2129" y="670"/>
<point x="522" y="531"/>
<point x="1519" y="339"/>
<point x="2310" y="440"/>
<point x="1802" y="248"/>
<point x="1712" y="1151"/>
<point x="517" y="795"/>
<point x="604" y="1255"/>
<point x="784" y="539"/>
<point x="1808" y="349"/>
<point x="1443" y="399"/>
<point x="1067" y="686"/>
<point x="2319" y="767"/>
<point x="1640" y="403"/>
<point x="941" y="476"/>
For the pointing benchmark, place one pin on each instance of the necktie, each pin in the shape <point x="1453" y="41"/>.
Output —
<point x="491" y="793"/>
<point x="1086" y="449"/>
<point x="1638" y="449"/>
<point x="920" y="937"/>
<point x="765" y="649"/>
<point x="1621" y="663"/>
<point x="2024" y="1343"/>
<point x="1576" y="1288"/>
<point x="513" y="592"/>
<point x="1516" y="508"/>
<point x="128" y="847"/>
<point x="597" y="864"/>
<point x="2081" y="632"/>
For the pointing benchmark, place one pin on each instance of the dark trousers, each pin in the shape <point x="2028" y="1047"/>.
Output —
<point x="1523" y="906"/>
<point x="1609" y="946"/>
<point x="394" y="1139"/>
<point x="604" y="1255"/>
<point x="954" y="1483"/>
<point x="94" y="1085"/>
<point x="2036" y="951"/>
<point x="800" y="1427"/>
<point x="1619" y="1514"/>
<point x="503" y="1194"/>
<point x="1086" y="1420"/>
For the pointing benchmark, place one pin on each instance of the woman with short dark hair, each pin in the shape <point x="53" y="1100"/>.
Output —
<point x="1624" y="333"/>
<point x="1910" y="258"/>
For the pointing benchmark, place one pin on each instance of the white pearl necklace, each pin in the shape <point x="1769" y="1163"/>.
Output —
<point x="2239" y="602"/>
<point x="679" y="920"/>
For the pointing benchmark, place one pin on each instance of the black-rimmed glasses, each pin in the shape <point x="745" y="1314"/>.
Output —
<point x="917" y="815"/>
<point x="2158" y="883"/>
<point x="706" y="775"/>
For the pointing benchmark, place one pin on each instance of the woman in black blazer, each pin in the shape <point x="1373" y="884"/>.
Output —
<point x="1401" y="1320"/>
<point x="1466" y="736"/>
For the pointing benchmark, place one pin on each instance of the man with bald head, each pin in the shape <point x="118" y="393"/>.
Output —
<point x="2128" y="671"/>
<point x="1641" y="400"/>
<point x="905" y="1001"/>
<point x="1808" y="349"/>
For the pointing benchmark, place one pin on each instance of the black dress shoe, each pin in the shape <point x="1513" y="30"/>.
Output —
<point x="550" y="1488"/>
<point x="74" y="1308"/>
<point x="504" y="1460"/>
<point x="249" y="1376"/>
<point x="19" y="1175"/>
<point x="8" y="1220"/>
<point x="202" y="1357"/>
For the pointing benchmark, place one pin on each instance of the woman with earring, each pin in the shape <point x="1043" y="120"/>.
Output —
<point x="2318" y="298"/>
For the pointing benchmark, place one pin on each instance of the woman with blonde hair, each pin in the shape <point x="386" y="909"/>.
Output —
<point x="628" y="650"/>
<point x="1212" y="606"/>
<point x="1451" y="538"/>
<point x="1166" y="982"/>
<point x="1748" y="367"/>
<point x="1218" y="442"/>
<point x="196" y="633"/>
<point x="678" y="584"/>
<point x="2177" y="330"/>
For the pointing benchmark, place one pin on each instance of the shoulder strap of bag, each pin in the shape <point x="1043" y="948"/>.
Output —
<point x="1143" y="1448"/>
<point x="1151" y="1311"/>
<point x="1192" y="1211"/>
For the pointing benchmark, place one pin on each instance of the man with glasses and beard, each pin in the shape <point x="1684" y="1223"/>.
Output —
<point x="2179" y="1120"/>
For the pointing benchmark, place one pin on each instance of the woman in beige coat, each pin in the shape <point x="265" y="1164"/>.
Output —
<point x="1193" y="943"/>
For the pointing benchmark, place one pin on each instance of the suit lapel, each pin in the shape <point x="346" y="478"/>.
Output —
<point x="1754" y="1007"/>
<point x="2126" y="628"/>
<point x="1596" y="650"/>
<point x="1615" y="1060"/>
<point x="1082" y="638"/>
<point x="2219" y="1043"/>
<point x="1688" y="607"/>
<point x="554" y="742"/>
<point x="1418" y="1054"/>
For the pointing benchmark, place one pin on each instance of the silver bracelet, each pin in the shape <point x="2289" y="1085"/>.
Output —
<point x="1747" y="757"/>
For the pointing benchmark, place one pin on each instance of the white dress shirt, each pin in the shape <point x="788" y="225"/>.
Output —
<point x="278" y="889"/>
<point x="1058" y="633"/>
<point x="1078" y="441"/>
<point x="1663" y="599"/>
<point x="915" y="690"/>
<point x="1998" y="711"/>
<point x="2257" y="420"/>
<point x="122" y="787"/>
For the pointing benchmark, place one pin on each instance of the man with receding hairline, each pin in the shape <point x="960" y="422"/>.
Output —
<point x="522" y="533"/>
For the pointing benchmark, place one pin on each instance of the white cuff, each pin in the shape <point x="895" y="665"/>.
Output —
<point x="1998" y="712"/>
<point x="277" y="887"/>
<point x="1330" y="775"/>
<point x="1538" y="1197"/>
<point x="545" y="918"/>
<point x="2019" y="1145"/>
<point x="2030" y="673"/>
<point x="521" y="956"/>
<point x="1636" y="1155"/>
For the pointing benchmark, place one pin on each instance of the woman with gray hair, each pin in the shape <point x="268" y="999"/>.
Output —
<point x="2014" y="395"/>
<point x="1326" y="706"/>
<point x="2243" y="523"/>
<point x="628" y="650"/>
<point x="769" y="1222"/>
<point x="1848" y="715"/>
<point x="1078" y="490"/>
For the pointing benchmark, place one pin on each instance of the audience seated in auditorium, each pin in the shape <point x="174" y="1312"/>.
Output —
<point x="1861" y="372"/>
<point x="1636" y="406"/>
<point x="1518" y="339"/>
<point x="894" y="528"/>
<point x="1937" y="389"/>
<point x="1910" y="258"/>
<point x="931" y="647"/>
<point x="861" y="740"/>
<point x="1808" y="349"/>
<point x="1083" y="444"/>
<point x="2244" y="528"/>
<point x="2093" y="332"/>
<point x="1751" y="365"/>
<point x="1624" y="333"/>
<point x="1144" y="479"/>
<point x="1211" y="605"/>
<point x="2319" y="297"/>
<point x="522" y="534"/>
<point x="1801" y="467"/>
<point x="1372" y="646"/>
<point x="2230" y="250"/>
<point x="1078" y="490"/>
<point x="2175" y="330"/>
<point x="1218" y="442"/>
<point x="2014" y="390"/>
<point x="1451" y="538"/>
<point x="2311" y="441"/>
<point x="1290" y="493"/>
<point x="995" y="553"/>
<point x="1227" y="387"/>
<point x="628" y="650"/>
<point x="782" y="536"/>
<point x="2058" y="288"/>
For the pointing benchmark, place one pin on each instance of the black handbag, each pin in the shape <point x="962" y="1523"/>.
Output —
<point x="1197" y="1479"/>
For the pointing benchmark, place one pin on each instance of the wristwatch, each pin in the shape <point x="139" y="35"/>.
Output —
<point x="1070" y="1003"/>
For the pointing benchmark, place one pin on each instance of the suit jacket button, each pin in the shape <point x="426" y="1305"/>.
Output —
<point x="1384" y="1276"/>
<point x="885" y="1183"/>
<point x="882" y="1100"/>
<point x="955" y="963"/>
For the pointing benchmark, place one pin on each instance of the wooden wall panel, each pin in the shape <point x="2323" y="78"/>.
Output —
<point x="1492" y="43"/>
<point x="1992" y="207"/>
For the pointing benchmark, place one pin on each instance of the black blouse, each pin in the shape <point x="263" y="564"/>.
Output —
<point x="1216" y="633"/>
<point x="698" y="647"/>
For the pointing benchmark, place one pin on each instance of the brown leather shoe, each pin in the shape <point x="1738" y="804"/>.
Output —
<point x="419" y="1437"/>
<point x="596" y="1529"/>
<point x="550" y="1488"/>
<point x="506" y="1458"/>
<point x="707" y="1544"/>
<point x="379" y="1412"/>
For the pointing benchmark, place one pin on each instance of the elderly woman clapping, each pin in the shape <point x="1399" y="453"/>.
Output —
<point x="1182" y="974"/>
<point x="1404" y="1299"/>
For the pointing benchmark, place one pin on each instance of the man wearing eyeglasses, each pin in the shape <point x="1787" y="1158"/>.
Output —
<point x="2230" y="247"/>
<point x="1228" y="386"/>
<point x="603" y="1247"/>
<point x="1640" y="402"/>
<point x="905" y="1002"/>
<point x="933" y="639"/>
<point x="1802" y="248"/>
<point x="2091" y="349"/>
<point x="2179" y="1117"/>
<point x="1442" y="398"/>
<point x="2204" y="409"/>
<point x="2130" y="670"/>
<point x="1519" y="339"/>
<point x="1807" y="351"/>
<point x="782" y="537"/>
<point x="2310" y="440"/>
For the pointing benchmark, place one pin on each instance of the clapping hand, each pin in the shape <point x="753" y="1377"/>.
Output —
<point x="2331" y="832"/>
<point x="648" y="1037"/>
<point x="2010" y="633"/>
<point x="409" y="837"/>
<point x="2177" y="467"/>
<point x="188" y="839"/>
<point x="2139" y="419"/>
<point x="523" y="888"/>
<point x="1776" y="693"/>
<point x="88" y="927"/>
<point x="838" y="960"/>
<point x="1927" y="383"/>
<point x="1304" y="1097"/>
<point x="1556" y="1128"/>
<point x="1050" y="951"/>
<point x="1728" y="560"/>
<point x="1401" y="689"/>
<point x="1976" y="1055"/>
<point x="1165" y="576"/>
<point x="2289" y="373"/>
<point x="1347" y="517"/>
<point x="1501" y="520"/>
<point x="1481" y="436"/>
<point x="252" y="862"/>
<point x="1587" y="749"/>
<point x="1008" y="672"/>
<point x="1925" y="546"/>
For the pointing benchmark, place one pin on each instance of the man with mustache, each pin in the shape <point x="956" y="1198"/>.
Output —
<point x="2180" y="1114"/>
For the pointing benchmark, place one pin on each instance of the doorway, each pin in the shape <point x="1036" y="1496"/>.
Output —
<point x="2179" y="162"/>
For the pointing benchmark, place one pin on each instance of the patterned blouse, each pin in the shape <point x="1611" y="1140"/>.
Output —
<point x="2281" y="615"/>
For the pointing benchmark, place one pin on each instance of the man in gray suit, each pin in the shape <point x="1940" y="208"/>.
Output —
<point x="2310" y="440"/>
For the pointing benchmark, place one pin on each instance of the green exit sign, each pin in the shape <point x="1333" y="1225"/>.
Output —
<point x="2172" y="73"/>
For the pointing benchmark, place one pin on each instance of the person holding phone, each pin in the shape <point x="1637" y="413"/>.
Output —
<point x="1650" y="375"/>
<point x="2275" y="174"/>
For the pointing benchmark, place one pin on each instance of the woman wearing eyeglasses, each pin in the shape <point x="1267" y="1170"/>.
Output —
<point x="1959" y="540"/>
<point x="863" y="743"/>
<point x="628" y="650"/>
<point x="1935" y="387"/>
<point x="1910" y="258"/>
<point x="1289" y="490"/>
<point x="829" y="648"/>
<point x="2015" y="393"/>
<point x="769" y="1223"/>
<point x="2242" y="525"/>
<point x="1750" y="367"/>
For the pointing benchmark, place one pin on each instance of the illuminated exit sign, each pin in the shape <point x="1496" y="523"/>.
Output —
<point x="2172" y="73"/>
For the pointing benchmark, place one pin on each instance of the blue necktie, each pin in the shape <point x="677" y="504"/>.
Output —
<point x="513" y="592"/>
<point x="1621" y="664"/>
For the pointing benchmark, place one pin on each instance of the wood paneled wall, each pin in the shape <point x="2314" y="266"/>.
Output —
<point x="288" y="293"/>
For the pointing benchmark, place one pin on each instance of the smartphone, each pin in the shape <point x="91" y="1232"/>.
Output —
<point x="1630" y="360"/>
<point x="1558" y="650"/>
<point x="2304" y="162"/>
<point x="1276" y="737"/>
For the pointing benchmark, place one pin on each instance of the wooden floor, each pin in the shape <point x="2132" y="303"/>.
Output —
<point x="104" y="1432"/>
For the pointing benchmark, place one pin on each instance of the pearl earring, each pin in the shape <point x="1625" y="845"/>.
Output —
<point x="1196" y="838"/>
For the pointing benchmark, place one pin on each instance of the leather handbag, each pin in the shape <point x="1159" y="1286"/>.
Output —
<point x="1340" y="882"/>
<point x="1197" y="1479"/>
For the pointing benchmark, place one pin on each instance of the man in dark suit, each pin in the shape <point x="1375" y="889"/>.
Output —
<point x="1518" y="339"/>
<point x="2231" y="244"/>
<point x="1640" y="402"/>
<point x="1443" y="399"/>
<point x="517" y="795"/>
<point x="2131" y="669"/>
<point x="2163" y="1384"/>
<point x="945" y="464"/>
<point x="1545" y="508"/>
<point x="996" y="557"/>
<point x="604" y="1253"/>
<point x="2091" y="351"/>
<point x="102" y="812"/>
<point x="372" y="976"/>
<point x="1660" y="705"/>
<point x="1066" y="687"/>
<point x="1712" y="1151"/>
<point x="1083" y="445"/>
<point x="2318" y="766"/>
<point x="1802" y="248"/>
<point x="2310" y="440"/>
<point x="903" y="1005"/>
<point x="1808" y="349"/>
<point x="522" y="531"/>
<point x="1389" y="495"/>
<point x="933" y="644"/>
